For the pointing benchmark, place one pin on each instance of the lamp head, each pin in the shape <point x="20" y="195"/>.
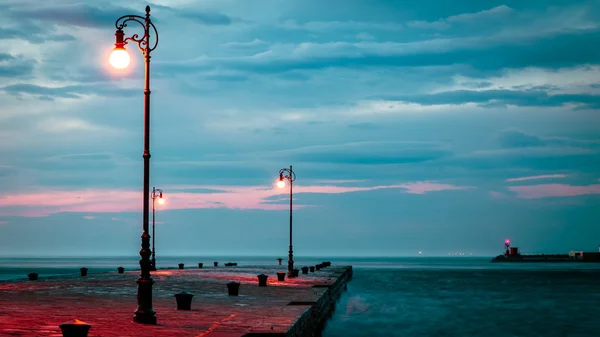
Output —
<point x="280" y="182"/>
<point x="160" y="199"/>
<point x="119" y="58"/>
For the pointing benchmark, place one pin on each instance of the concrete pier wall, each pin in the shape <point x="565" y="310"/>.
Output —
<point x="313" y="319"/>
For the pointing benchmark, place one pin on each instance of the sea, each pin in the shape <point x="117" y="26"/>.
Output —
<point x="420" y="296"/>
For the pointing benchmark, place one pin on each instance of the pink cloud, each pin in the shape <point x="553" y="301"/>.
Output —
<point x="42" y="203"/>
<point x="497" y="195"/>
<point x="544" y="176"/>
<point x="553" y="190"/>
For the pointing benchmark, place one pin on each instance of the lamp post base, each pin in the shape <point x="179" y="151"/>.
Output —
<point x="144" y="314"/>
<point x="146" y="318"/>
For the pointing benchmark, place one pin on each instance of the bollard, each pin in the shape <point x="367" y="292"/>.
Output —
<point x="120" y="270"/>
<point x="328" y="264"/>
<point x="262" y="280"/>
<point x="318" y="267"/>
<point x="312" y="269"/>
<point x="216" y="263"/>
<point x="295" y="272"/>
<point x="83" y="271"/>
<point x="200" y="265"/>
<point x="181" y="266"/>
<point x="75" y="328"/>
<point x="304" y="270"/>
<point x="280" y="276"/>
<point x="32" y="276"/>
<point x="323" y="264"/>
<point x="233" y="288"/>
<point x="184" y="300"/>
<point x="279" y="261"/>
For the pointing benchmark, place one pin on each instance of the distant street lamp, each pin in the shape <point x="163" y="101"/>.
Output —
<point x="120" y="59"/>
<point x="156" y="194"/>
<point x="290" y="176"/>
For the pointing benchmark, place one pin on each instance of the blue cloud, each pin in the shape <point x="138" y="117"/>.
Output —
<point x="528" y="97"/>
<point x="15" y="67"/>
<point x="74" y="91"/>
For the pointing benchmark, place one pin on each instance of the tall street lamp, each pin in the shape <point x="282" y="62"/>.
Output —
<point x="120" y="59"/>
<point x="157" y="193"/>
<point x="290" y="176"/>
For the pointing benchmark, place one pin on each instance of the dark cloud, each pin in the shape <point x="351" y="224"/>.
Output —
<point x="81" y="15"/>
<point x="6" y="57"/>
<point x="519" y="139"/>
<point x="15" y="66"/>
<point x="515" y="138"/>
<point x="520" y="150"/>
<point x="482" y="56"/>
<point x="206" y="18"/>
<point x="530" y="97"/>
<point x="227" y="78"/>
<point x="367" y="153"/>
<point x="202" y="17"/>
<point x="33" y="34"/>
<point x="84" y="15"/>
<point x="72" y="91"/>
<point x="363" y="126"/>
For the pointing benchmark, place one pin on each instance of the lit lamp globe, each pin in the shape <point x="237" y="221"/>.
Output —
<point x="281" y="184"/>
<point x="161" y="200"/>
<point x="119" y="58"/>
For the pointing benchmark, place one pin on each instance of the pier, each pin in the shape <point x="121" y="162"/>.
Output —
<point x="298" y="306"/>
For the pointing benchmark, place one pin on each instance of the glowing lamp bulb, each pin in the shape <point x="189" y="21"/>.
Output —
<point x="507" y="241"/>
<point x="161" y="201"/>
<point x="281" y="184"/>
<point x="119" y="58"/>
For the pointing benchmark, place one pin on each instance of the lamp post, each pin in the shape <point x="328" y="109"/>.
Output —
<point x="156" y="194"/>
<point x="290" y="176"/>
<point x="120" y="59"/>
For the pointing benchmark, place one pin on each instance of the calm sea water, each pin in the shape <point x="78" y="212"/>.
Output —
<point x="419" y="296"/>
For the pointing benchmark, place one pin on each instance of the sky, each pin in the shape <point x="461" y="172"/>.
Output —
<point x="434" y="126"/>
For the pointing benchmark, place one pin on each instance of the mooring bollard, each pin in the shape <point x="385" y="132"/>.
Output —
<point x="216" y="263"/>
<point x="295" y="272"/>
<point x="279" y="261"/>
<point x="120" y="270"/>
<point x="328" y="264"/>
<point x="200" y="265"/>
<point x="280" y="276"/>
<point x="32" y="276"/>
<point x="323" y="264"/>
<point x="312" y="269"/>
<point x="233" y="288"/>
<point x="83" y="271"/>
<point x="75" y="328"/>
<point x="318" y="267"/>
<point x="304" y="270"/>
<point x="262" y="280"/>
<point x="181" y="266"/>
<point x="184" y="300"/>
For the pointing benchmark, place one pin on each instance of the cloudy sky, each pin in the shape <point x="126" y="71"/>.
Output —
<point x="440" y="126"/>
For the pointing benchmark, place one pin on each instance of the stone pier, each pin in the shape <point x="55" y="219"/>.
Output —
<point x="295" y="307"/>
